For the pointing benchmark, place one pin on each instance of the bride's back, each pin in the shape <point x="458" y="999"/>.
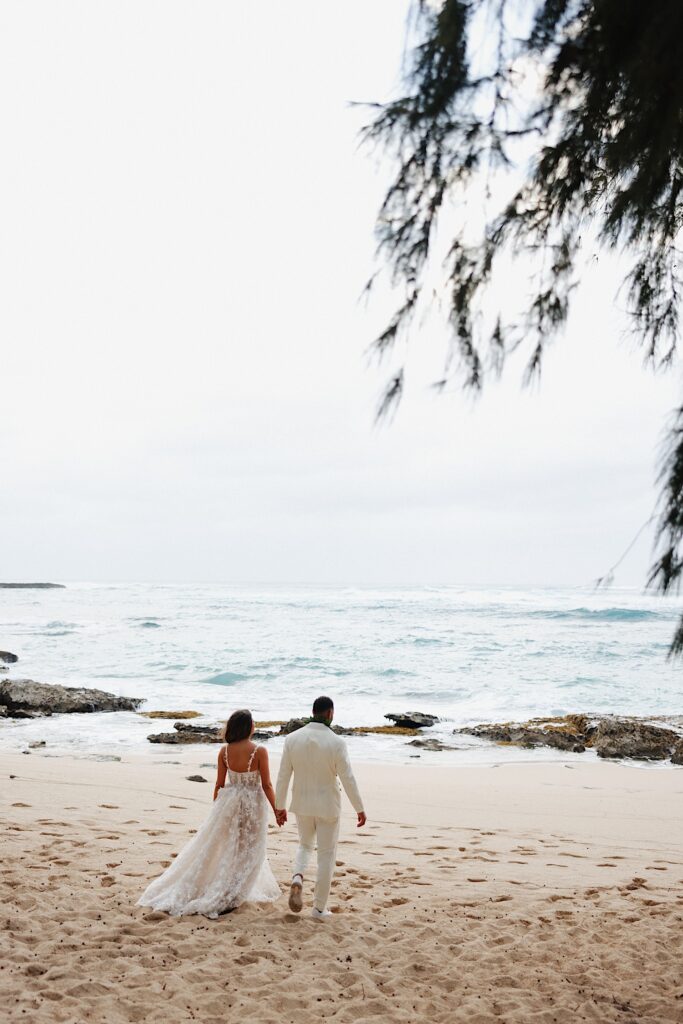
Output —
<point x="239" y="756"/>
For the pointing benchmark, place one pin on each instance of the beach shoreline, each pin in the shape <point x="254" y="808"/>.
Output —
<point x="521" y="893"/>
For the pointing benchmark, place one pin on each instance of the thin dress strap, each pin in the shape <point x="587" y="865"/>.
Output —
<point x="225" y="757"/>
<point x="253" y="754"/>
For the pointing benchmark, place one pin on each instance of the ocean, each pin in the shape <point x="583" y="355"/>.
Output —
<point x="465" y="654"/>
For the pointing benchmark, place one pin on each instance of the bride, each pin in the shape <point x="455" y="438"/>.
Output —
<point x="225" y="863"/>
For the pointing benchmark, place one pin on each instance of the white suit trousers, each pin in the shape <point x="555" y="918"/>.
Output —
<point x="323" y="834"/>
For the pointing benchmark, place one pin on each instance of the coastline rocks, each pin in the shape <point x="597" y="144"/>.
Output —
<point x="569" y="735"/>
<point x="196" y="778"/>
<point x="32" y="586"/>
<point x="629" y="738"/>
<point x="610" y="736"/>
<point x="25" y="698"/>
<point x="292" y="725"/>
<point x="175" y="715"/>
<point x="382" y="730"/>
<point x="298" y="723"/>
<point x="185" y="733"/>
<point x="677" y="755"/>
<point x="413" y="720"/>
<point x="7" y="658"/>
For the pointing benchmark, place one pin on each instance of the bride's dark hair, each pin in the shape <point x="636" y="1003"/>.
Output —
<point x="239" y="726"/>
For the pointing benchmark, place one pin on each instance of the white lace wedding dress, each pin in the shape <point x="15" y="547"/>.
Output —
<point x="225" y="863"/>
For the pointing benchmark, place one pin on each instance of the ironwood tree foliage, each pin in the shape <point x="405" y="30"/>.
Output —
<point x="595" y="146"/>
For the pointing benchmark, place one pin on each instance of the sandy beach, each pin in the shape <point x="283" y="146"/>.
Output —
<point x="521" y="893"/>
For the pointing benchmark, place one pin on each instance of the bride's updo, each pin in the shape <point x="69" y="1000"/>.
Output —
<point x="239" y="726"/>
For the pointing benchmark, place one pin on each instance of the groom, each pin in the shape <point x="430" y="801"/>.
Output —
<point x="317" y="757"/>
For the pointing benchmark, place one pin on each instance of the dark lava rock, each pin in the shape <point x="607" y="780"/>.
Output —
<point x="610" y="736"/>
<point x="185" y="733"/>
<point x="298" y="723"/>
<point x="212" y="730"/>
<point x="24" y="695"/>
<point x="184" y="737"/>
<point x="8" y="659"/>
<point x="525" y="735"/>
<point x="633" y="738"/>
<point x="677" y="755"/>
<point x="37" y="743"/>
<point x="413" y="720"/>
<point x="196" y="778"/>
<point x="292" y="725"/>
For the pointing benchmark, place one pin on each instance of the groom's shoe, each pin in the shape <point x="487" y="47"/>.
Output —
<point x="320" y="914"/>
<point x="295" y="891"/>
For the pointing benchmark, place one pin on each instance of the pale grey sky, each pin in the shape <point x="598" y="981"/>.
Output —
<point x="186" y="229"/>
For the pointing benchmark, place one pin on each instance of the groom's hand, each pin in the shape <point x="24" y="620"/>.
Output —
<point x="281" y="817"/>
<point x="361" y="819"/>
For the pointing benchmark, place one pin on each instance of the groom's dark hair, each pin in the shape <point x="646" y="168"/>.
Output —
<point x="321" y="705"/>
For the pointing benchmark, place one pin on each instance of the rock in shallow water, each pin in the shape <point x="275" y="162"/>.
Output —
<point x="176" y="715"/>
<point x="611" y="736"/>
<point x="431" y="744"/>
<point x="413" y="720"/>
<point x="196" y="735"/>
<point x="25" y="698"/>
<point x="7" y="658"/>
<point x="633" y="738"/>
<point x="531" y="734"/>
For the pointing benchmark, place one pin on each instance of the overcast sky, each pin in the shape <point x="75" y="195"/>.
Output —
<point x="186" y="226"/>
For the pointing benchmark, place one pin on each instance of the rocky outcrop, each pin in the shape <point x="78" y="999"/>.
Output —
<point x="633" y="738"/>
<point x="175" y="715"/>
<point x="292" y="725"/>
<point x="24" y="698"/>
<point x="561" y="734"/>
<point x="413" y="720"/>
<point x="677" y="753"/>
<point x="611" y="736"/>
<point x="7" y="658"/>
<point x="32" y="586"/>
<point x="185" y="733"/>
<point x="298" y="723"/>
<point x="382" y="730"/>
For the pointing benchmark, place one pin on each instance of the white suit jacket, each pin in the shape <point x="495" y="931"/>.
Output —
<point x="317" y="758"/>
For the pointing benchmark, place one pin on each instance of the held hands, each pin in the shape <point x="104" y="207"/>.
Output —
<point x="361" y="819"/>
<point x="280" y="817"/>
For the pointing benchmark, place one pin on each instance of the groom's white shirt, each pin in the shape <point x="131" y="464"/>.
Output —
<point x="317" y="758"/>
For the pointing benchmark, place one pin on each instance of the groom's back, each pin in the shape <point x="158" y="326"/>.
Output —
<point x="314" y="753"/>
